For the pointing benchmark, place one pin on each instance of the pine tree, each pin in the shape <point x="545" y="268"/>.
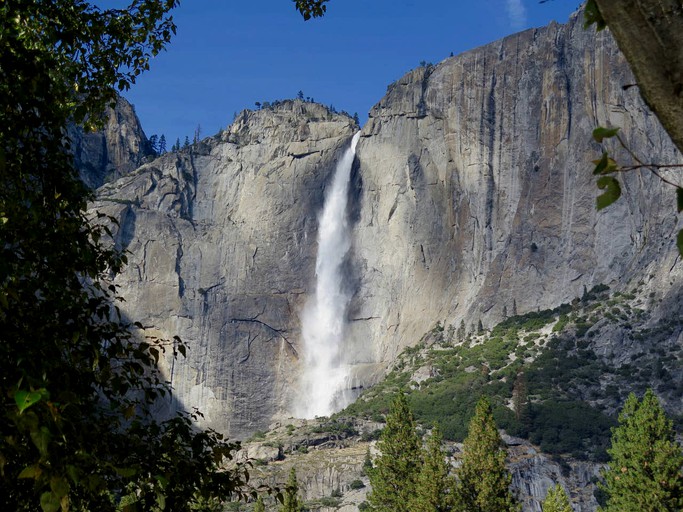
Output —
<point x="484" y="482"/>
<point x="434" y="491"/>
<point x="394" y="475"/>
<point x="556" y="500"/>
<point x="259" y="506"/>
<point x="176" y="146"/>
<point x="186" y="144"/>
<point x="292" y="502"/>
<point x="162" y="144"/>
<point x="644" y="473"/>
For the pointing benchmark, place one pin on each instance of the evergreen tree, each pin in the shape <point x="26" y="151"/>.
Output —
<point x="162" y="144"/>
<point x="556" y="500"/>
<point x="367" y="463"/>
<point x="176" y="146"/>
<point x="356" y="119"/>
<point x="644" y="473"/>
<point x="300" y="95"/>
<point x="186" y="144"/>
<point x="292" y="502"/>
<point x="434" y="491"/>
<point x="259" y="506"/>
<point x="77" y="384"/>
<point x="484" y="482"/>
<point x="394" y="475"/>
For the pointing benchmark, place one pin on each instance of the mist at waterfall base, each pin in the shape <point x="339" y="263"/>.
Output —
<point x="324" y="377"/>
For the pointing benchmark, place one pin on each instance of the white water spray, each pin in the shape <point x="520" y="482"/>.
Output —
<point x="323" y="318"/>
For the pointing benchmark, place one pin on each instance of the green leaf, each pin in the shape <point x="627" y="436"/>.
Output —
<point x="679" y="199"/>
<point x="161" y="500"/>
<point x="125" y="472"/>
<point x="41" y="438"/>
<point x="611" y="194"/>
<point x="49" y="502"/>
<point x="591" y="14"/>
<point x="31" y="472"/>
<point x="601" y="164"/>
<point x="25" y="399"/>
<point x="601" y="133"/>
<point x="679" y="242"/>
<point x="73" y="473"/>
<point x="59" y="486"/>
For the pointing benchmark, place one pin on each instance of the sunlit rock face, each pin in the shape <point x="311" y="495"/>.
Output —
<point x="476" y="193"/>
<point x="471" y="193"/>
<point x="222" y="242"/>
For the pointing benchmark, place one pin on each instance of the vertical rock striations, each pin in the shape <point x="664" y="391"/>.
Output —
<point x="222" y="241"/>
<point x="119" y="148"/>
<point x="472" y="193"/>
<point x="477" y="194"/>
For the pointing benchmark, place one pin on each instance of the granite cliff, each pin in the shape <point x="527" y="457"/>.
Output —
<point x="476" y="174"/>
<point x="472" y="196"/>
<point x="221" y="239"/>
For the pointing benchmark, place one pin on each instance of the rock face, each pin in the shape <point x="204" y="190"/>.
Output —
<point x="474" y="189"/>
<point x="330" y="466"/>
<point x="472" y="194"/>
<point x="119" y="148"/>
<point x="222" y="243"/>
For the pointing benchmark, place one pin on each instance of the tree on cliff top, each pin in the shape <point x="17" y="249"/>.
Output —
<point x="483" y="480"/>
<point x="76" y="383"/>
<point x="645" y="473"/>
<point x="394" y="475"/>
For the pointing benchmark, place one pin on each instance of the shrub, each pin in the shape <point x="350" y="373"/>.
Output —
<point x="356" y="484"/>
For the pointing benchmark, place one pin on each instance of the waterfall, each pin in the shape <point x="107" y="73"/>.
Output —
<point x="323" y="318"/>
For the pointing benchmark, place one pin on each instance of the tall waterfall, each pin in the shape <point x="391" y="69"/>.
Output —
<point x="324" y="377"/>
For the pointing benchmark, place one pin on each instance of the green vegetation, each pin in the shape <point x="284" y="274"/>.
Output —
<point x="483" y="480"/>
<point x="259" y="506"/>
<point x="434" y="491"/>
<point x="291" y="501"/>
<point x="645" y="472"/>
<point x="78" y="379"/>
<point x="356" y="484"/>
<point x="557" y="500"/>
<point x="543" y="377"/>
<point x="418" y="479"/>
<point x="394" y="475"/>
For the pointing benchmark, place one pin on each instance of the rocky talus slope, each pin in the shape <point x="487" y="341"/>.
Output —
<point x="330" y="464"/>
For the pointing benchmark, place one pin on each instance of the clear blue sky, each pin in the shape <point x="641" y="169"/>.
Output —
<point x="229" y="54"/>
